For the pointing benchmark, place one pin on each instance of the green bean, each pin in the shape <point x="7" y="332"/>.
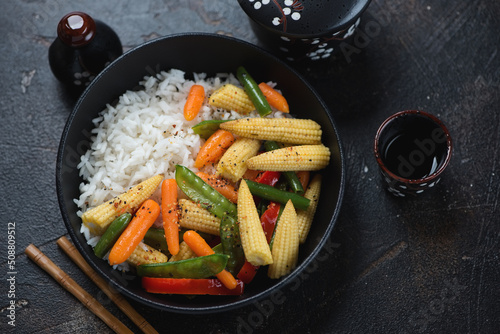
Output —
<point x="198" y="267"/>
<point x="112" y="233"/>
<point x="290" y="176"/>
<point x="280" y="196"/>
<point x="202" y="193"/>
<point x="253" y="91"/>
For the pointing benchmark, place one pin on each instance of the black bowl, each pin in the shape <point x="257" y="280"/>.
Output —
<point x="209" y="53"/>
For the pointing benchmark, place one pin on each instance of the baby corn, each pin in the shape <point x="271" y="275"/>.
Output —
<point x="232" y="165"/>
<point x="97" y="219"/>
<point x="305" y="218"/>
<point x="145" y="254"/>
<point x="185" y="252"/>
<point x="286" y="244"/>
<point x="230" y="97"/>
<point x="253" y="239"/>
<point x="284" y="130"/>
<point x="194" y="217"/>
<point x="292" y="158"/>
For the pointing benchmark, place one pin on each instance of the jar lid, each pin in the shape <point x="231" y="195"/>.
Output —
<point x="304" y="19"/>
<point x="76" y="29"/>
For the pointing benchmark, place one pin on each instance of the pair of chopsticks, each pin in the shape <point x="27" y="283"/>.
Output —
<point x="83" y="296"/>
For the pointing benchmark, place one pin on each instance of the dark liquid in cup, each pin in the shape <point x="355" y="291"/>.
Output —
<point x="415" y="152"/>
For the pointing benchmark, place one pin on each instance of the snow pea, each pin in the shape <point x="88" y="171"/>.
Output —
<point x="231" y="244"/>
<point x="202" y="193"/>
<point x="155" y="237"/>
<point x="218" y="249"/>
<point x="198" y="267"/>
<point x="206" y="128"/>
<point x="112" y="233"/>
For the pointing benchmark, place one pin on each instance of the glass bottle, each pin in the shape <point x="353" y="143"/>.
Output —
<point x="82" y="49"/>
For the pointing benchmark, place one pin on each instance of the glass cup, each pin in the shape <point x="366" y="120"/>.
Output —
<point x="412" y="149"/>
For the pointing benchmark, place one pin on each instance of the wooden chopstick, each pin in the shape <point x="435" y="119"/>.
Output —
<point x="69" y="284"/>
<point x="117" y="298"/>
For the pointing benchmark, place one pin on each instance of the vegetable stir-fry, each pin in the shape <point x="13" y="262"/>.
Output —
<point x="248" y="203"/>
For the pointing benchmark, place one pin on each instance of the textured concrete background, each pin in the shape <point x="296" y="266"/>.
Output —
<point x="426" y="265"/>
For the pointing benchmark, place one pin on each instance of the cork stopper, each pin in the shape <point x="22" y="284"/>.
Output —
<point x="76" y="29"/>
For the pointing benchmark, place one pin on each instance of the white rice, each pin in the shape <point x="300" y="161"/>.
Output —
<point x="145" y="134"/>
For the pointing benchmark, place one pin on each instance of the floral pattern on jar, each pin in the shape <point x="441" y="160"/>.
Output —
<point x="301" y="30"/>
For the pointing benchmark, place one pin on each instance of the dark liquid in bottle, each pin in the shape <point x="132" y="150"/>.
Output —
<point x="417" y="152"/>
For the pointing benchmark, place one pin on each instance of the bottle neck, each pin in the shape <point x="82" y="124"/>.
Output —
<point x="76" y="29"/>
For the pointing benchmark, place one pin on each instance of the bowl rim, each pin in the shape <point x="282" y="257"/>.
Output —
<point x="236" y="303"/>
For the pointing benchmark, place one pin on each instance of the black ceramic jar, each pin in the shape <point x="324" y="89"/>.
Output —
<point x="304" y="30"/>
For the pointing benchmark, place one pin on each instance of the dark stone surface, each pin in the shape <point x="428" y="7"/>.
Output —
<point x="424" y="265"/>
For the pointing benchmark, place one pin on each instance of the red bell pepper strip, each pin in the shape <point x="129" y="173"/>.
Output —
<point x="268" y="177"/>
<point x="269" y="218"/>
<point x="190" y="286"/>
<point x="247" y="272"/>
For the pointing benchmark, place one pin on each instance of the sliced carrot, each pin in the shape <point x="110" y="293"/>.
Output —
<point x="134" y="232"/>
<point x="197" y="244"/>
<point x="170" y="215"/>
<point x="274" y="98"/>
<point x="200" y="247"/>
<point x="303" y="176"/>
<point x="194" y="102"/>
<point x="223" y="186"/>
<point x="214" y="148"/>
